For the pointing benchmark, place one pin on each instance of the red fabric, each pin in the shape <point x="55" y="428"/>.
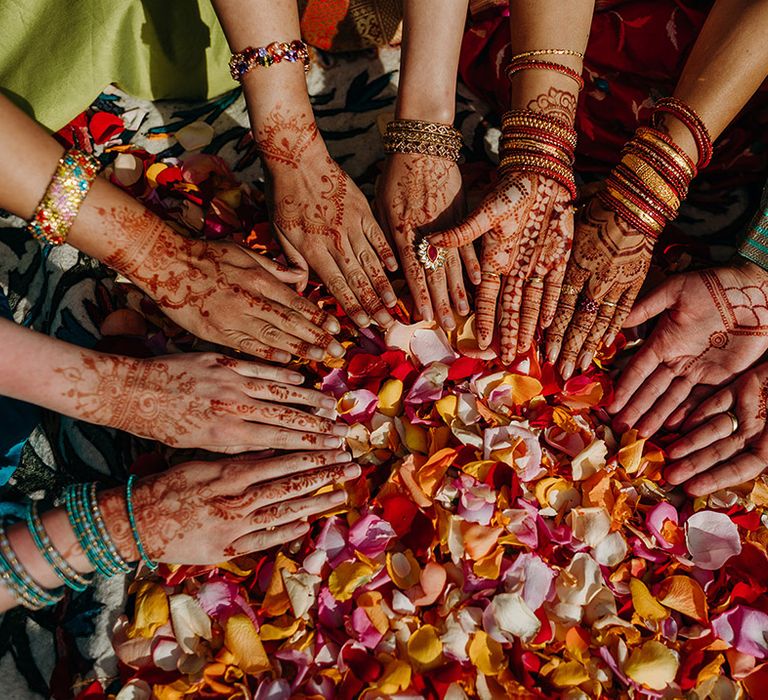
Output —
<point x="636" y="52"/>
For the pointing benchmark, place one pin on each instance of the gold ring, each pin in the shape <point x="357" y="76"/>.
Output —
<point x="611" y="304"/>
<point x="492" y="275"/>
<point x="535" y="280"/>
<point x="734" y="421"/>
<point x="569" y="289"/>
<point x="430" y="256"/>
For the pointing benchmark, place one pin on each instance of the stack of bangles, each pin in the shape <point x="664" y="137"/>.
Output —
<point x="85" y="517"/>
<point x="754" y="247"/>
<point x="538" y="143"/>
<point x="652" y="179"/>
<point x="61" y="202"/>
<point x="423" y="138"/>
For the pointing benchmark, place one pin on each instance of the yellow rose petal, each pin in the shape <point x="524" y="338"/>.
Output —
<point x="486" y="653"/>
<point x="653" y="665"/>
<point x="403" y="569"/>
<point x="646" y="606"/>
<point x="242" y="639"/>
<point x="685" y="595"/>
<point x="390" y="398"/>
<point x="347" y="578"/>
<point x="569" y="675"/>
<point x="425" y="648"/>
<point x="396" y="678"/>
<point x="152" y="610"/>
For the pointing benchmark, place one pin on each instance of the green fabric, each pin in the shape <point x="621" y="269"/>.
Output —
<point x="56" y="56"/>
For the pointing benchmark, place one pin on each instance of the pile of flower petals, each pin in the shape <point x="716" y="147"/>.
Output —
<point x="502" y="542"/>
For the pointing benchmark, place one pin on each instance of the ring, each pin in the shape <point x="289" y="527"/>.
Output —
<point x="588" y="305"/>
<point x="611" y="304"/>
<point x="492" y="275"/>
<point x="430" y="256"/>
<point x="734" y="421"/>
<point x="568" y="289"/>
<point x="536" y="280"/>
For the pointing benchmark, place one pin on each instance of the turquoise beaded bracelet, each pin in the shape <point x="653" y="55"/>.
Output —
<point x="151" y="565"/>
<point x="19" y="582"/>
<point x="96" y="522"/>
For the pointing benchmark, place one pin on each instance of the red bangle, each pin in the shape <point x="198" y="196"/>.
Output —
<point x="616" y="205"/>
<point x="692" y="121"/>
<point x="539" y="135"/>
<point x="518" y="66"/>
<point x="569" y="185"/>
<point x="629" y="180"/>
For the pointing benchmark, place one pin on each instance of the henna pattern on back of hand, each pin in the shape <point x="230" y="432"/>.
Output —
<point x="285" y="138"/>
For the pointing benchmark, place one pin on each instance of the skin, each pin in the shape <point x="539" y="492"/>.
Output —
<point x="321" y="218"/>
<point x="219" y="291"/>
<point x="517" y="248"/>
<point x="199" y="513"/>
<point x="195" y="400"/>
<point x="712" y="325"/>
<point x="726" y="66"/>
<point x="418" y="194"/>
<point x="712" y="455"/>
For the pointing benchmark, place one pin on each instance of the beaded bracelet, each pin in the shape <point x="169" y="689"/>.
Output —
<point x="151" y="565"/>
<point x="244" y="61"/>
<point x="96" y="522"/>
<point x="693" y="122"/>
<point x="524" y="65"/>
<point x="61" y="202"/>
<point x="424" y="138"/>
<point x="546" y="52"/>
<point x="68" y="575"/>
<point x="18" y="581"/>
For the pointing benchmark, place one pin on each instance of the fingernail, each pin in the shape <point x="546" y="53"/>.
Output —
<point x="280" y="356"/>
<point x="338" y="497"/>
<point x="553" y="353"/>
<point x="336" y="349"/>
<point x="362" y="320"/>
<point x="426" y="313"/>
<point x="332" y="442"/>
<point x="332" y="325"/>
<point x="389" y="299"/>
<point x="463" y="308"/>
<point x="476" y="279"/>
<point x="448" y="323"/>
<point x="328" y="403"/>
<point x="300" y="528"/>
<point x="340" y="429"/>
<point x="383" y="318"/>
<point x="296" y="377"/>
<point x="343" y="457"/>
<point x="567" y="370"/>
<point x="391" y="263"/>
<point x="316" y="354"/>
<point x="351" y="472"/>
<point x="586" y="360"/>
<point x="609" y="340"/>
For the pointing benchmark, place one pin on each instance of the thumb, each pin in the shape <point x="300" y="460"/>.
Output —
<point x="657" y="300"/>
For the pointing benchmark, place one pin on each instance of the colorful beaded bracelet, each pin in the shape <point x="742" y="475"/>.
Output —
<point x="244" y="61"/>
<point x="18" y="581"/>
<point x="57" y="562"/>
<point x="61" y="202"/>
<point x="151" y="565"/>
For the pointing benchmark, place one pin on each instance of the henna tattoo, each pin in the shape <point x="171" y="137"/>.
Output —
<point x="323" y="218"/>
<point x="300" y="484"/>
<point x="115" y="514"/>
<point x="285" y="139"/>
<point x="141" y="397"/>
<point x="229" y="362"/>
<point x="556" y="103"/>
<point x="762" y="413"/>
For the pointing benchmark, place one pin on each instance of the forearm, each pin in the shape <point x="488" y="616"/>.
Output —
<point x="728" y="63"/>
<point x="277" y="98"/>
<point x="549" y="24"/>
<point x="432" y="33"/>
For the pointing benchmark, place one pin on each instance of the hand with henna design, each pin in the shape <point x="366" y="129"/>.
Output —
<point x="713" y="325"/>
<point x="197" y="400"/>
<point x="527" y="225"/>
<point x="220" y="291"/>
<point x="713" y="455"/>
<point x="415" y="195"/>
<point x="608" y="265"/>
<point x="207" y="512"/>
<point x="322" y="220"/>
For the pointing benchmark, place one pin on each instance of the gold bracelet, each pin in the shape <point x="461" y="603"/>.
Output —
<point x="652" y="180"/>
<point x="423" y="138"/>
<point x="546" y="52"/>
<point x="530" y="145"/>
<point x="649" y="137"/>
<point x="61" y="202"/>
<point x="640" y="213"/>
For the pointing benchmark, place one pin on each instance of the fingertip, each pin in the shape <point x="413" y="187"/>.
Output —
<point x="295" y="378"/>
<point x="281" y="356"/>
<point x="336" y="349"/>
<point x="391" y="263"/>
<point x="331" y="324"/>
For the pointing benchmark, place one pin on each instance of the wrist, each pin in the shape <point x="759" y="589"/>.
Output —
<point x="439" y="108"/>
<point x="114" y="509"/>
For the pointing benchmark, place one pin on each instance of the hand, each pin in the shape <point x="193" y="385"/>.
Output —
<point x="419" y="194"/>
<point x="714" y="325"/>
<point x="207" y="512"/>
<point x="606" y="270"/>
<point x="198" y="400"/>
<point x="713" y="455"/>
<point x="527" y="226"/>
<point x="221" y="291"/>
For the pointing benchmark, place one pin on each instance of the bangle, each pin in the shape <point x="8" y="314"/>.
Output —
<point x="519" y="66"/>
<point x="541" y="165"/>
<point x="77" y="510"/>
<point x="18" y="581"/>
<point x="243" y="61"/>
<point x="664" y="144"/>
<point x="151" y="565"/>
<point x="754" y="247"/>
<point x="64" y="570"/>
<point x="692" y="121"/>
<point x="425" y="138"/>
<point x="546" y="52"/>
<point x="516" y="118"/>
<point x="61" y="202"/>
<point x="93" y="514"/>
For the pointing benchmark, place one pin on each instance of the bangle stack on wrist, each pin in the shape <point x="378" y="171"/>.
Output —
<point x="61" y="202"/>
<point x="652" y="179"/>
<point x="22" y="586"/>
<point x="423" y="138"/>
<point x="530" y="60"/>
<point x="754" y="247"/>
<point x="538" y="143"/>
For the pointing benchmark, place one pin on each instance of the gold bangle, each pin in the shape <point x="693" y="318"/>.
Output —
<point x="424" y="138"/>
<point x="652" y="180"/>
<point x="536" y="147"/>
<point x="640" y="213"/>
<point x="645" y="134"/>
<point x="546" y="52"/>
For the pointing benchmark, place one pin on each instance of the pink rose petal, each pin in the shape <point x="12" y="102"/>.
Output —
<point x="712" y="539"/>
